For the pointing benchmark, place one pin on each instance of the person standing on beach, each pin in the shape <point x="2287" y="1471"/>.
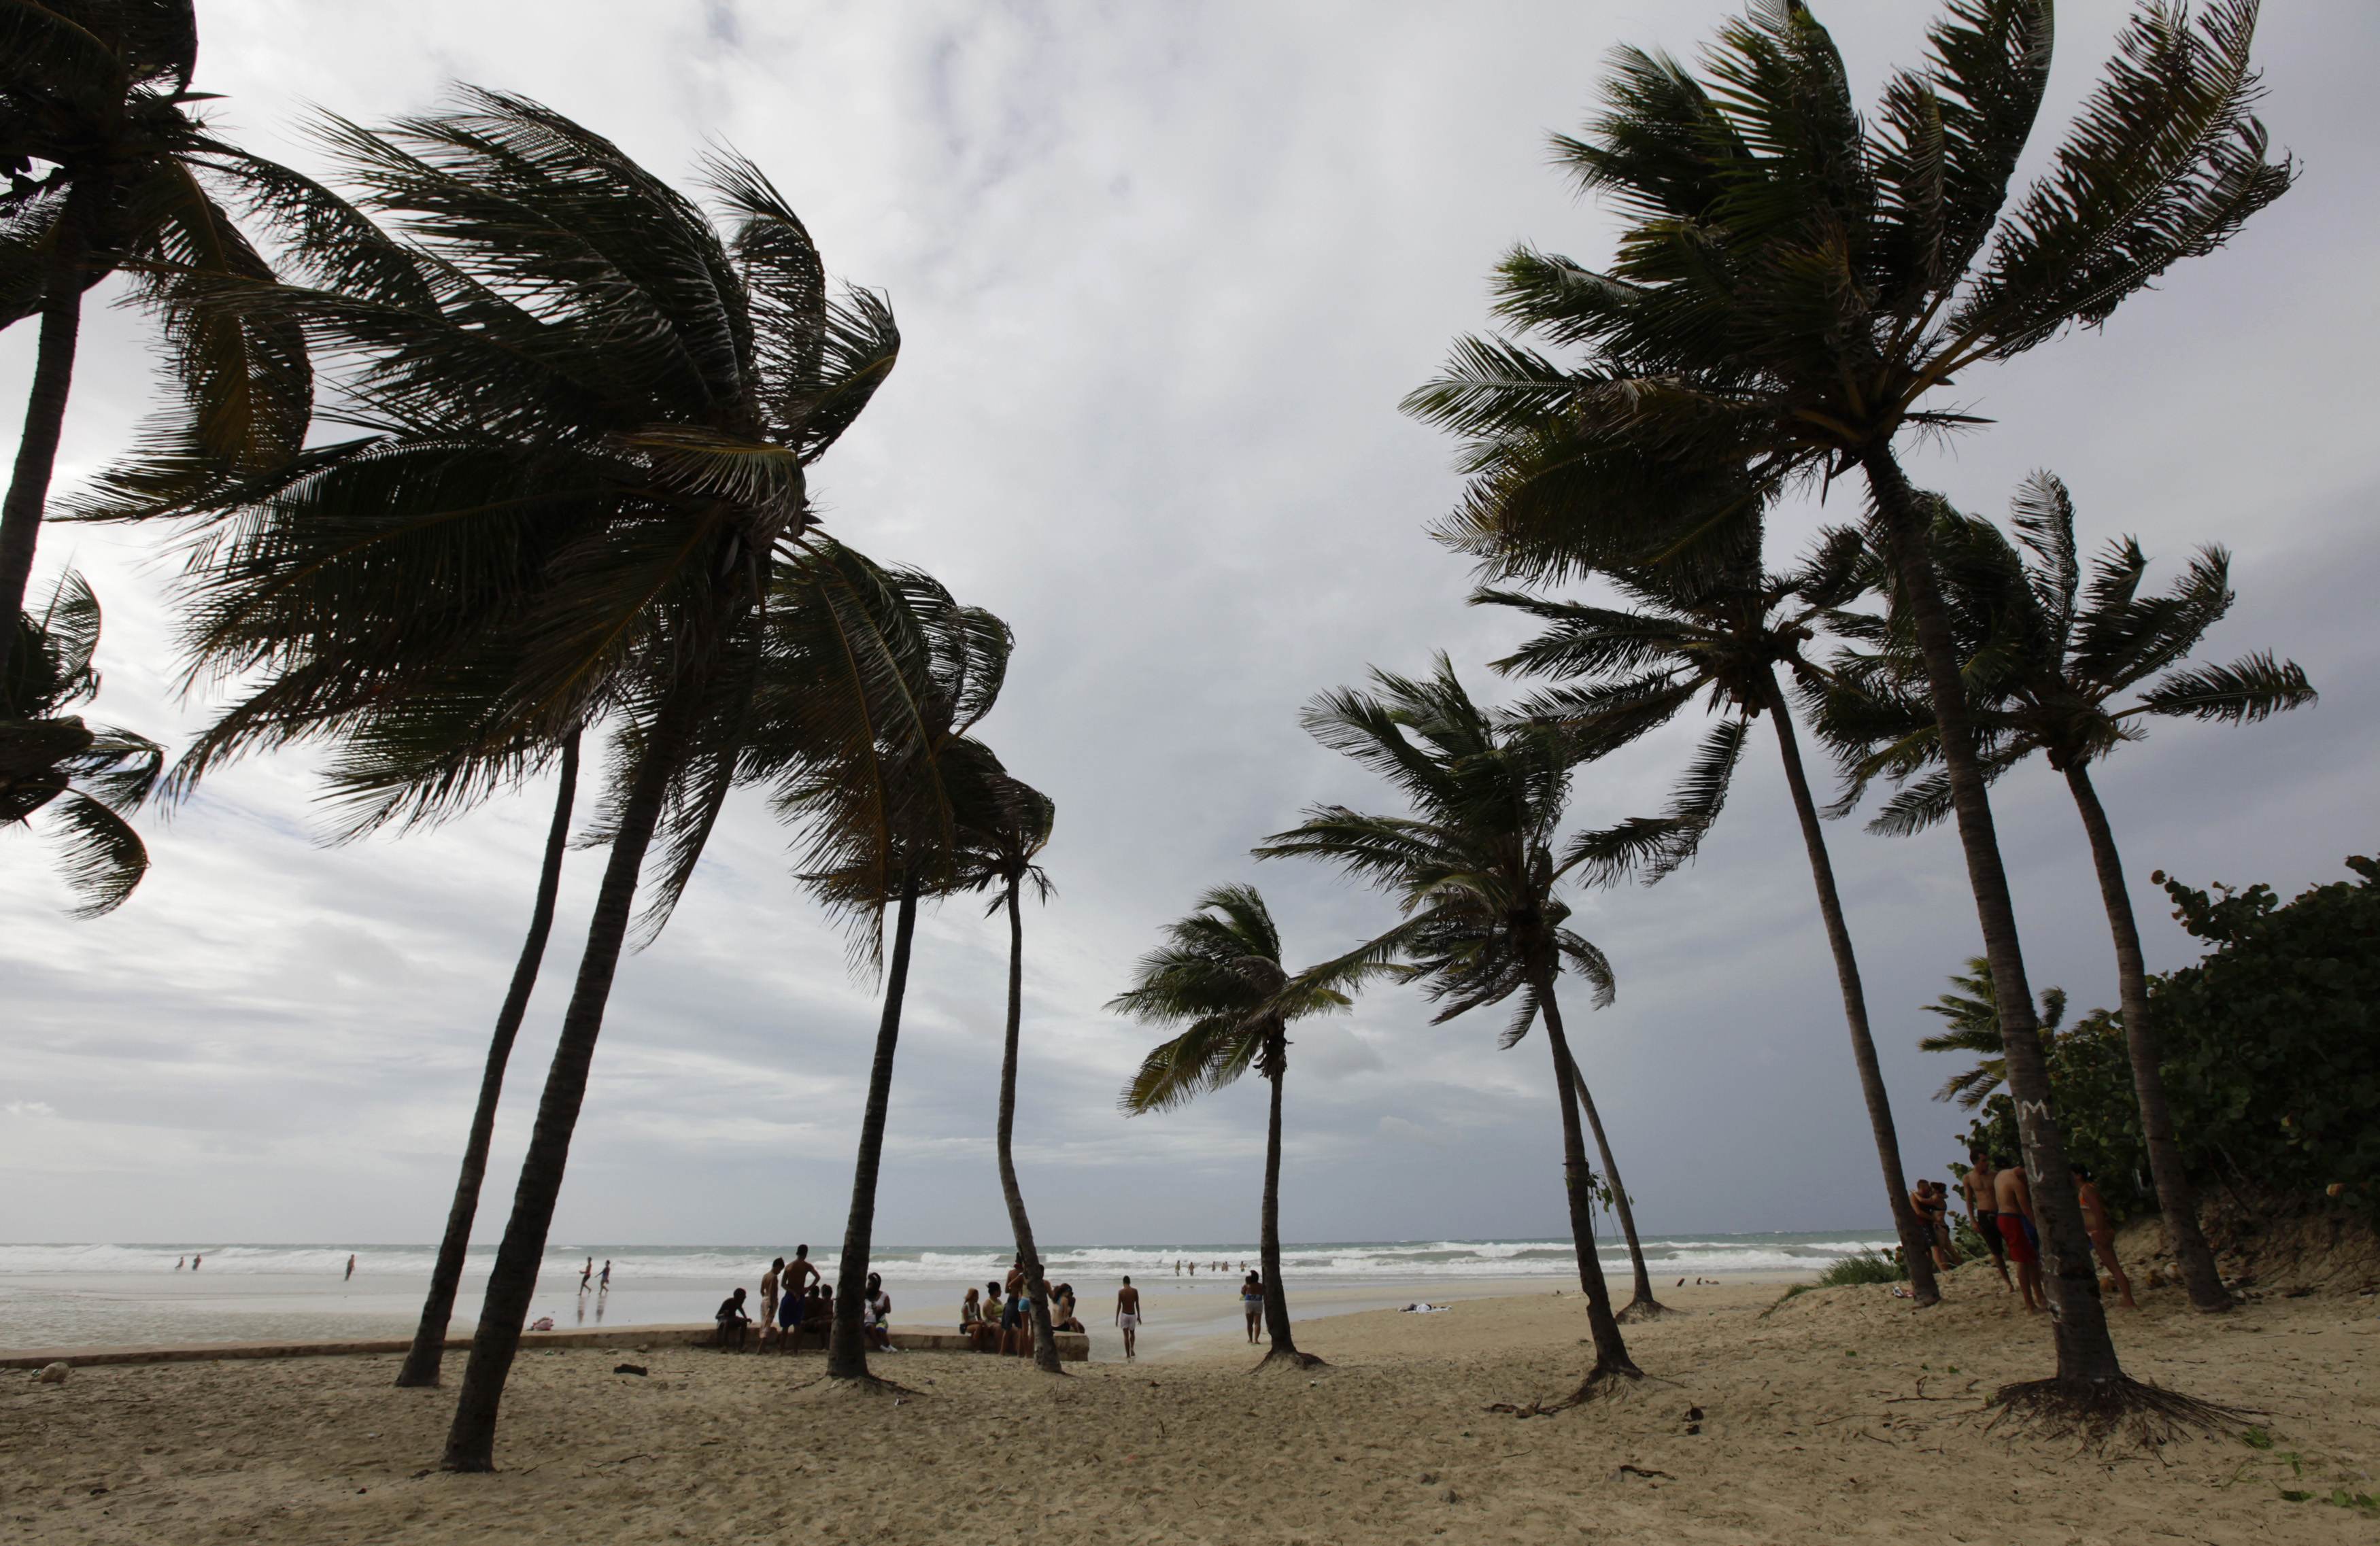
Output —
<point x="351" y="1268"/>
<point x="2096" y="1225"/>
<point x="1127" y="1316"/>
<point x="1977" y="1185"/>
<point x="587" y="1275"/>
<point x="768" y="1301"/>
<point x="2012" y="1196"/>
<point x="1252" y="1304"/>
<point x="194" y="1262"/>
<point x="795" y="1284"/>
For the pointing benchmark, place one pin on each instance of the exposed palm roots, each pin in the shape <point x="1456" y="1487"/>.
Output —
<point x="852" y="1385"/>
<point x="1644" y="1308"/>
<point x="1604" y="1382"/>
<point x="2096" y="1410"/>
<point x="1289" y="1358"/>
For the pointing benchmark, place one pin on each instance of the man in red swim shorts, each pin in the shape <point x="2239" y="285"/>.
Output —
<point x="2012" y="1197"/>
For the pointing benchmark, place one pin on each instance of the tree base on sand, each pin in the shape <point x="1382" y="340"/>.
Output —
<point x="1604" y="1382"/>
<point x="852" y="1385"/>
<point x="2096" y="1410"/>
<point x="1643" y="1307"/>
<point x="1289" y="1358"/>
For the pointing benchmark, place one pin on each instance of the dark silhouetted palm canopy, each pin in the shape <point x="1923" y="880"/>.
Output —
<point x="110" y="170"/>
<point x="1473" y="870"/>
<point x="2048" y="657"/>
<point x="1795" y="281"/>
<point x="1220" y="977"/>
<point x="58" y="774"/>
<point x="1973" y="1018"/>
<point x="1715" y="629"/>
<point x="576" y="494"/>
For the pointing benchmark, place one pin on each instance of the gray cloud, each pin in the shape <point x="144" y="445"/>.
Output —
<point x="1164" y="273"/>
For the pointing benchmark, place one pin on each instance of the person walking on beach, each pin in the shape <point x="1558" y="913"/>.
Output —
<point x="180" y="1261"/>
<point x="1127" y="1316"/>
<point x="587" y="1275"/>
<point x="1252" y="1304"/>
<point x="2095" y="1224"/>
<point x="2012" y="1196"/>
<point x="604" y="1278"/>
<point x="1977" y="1185"/>
<point x="351" y="1268"/>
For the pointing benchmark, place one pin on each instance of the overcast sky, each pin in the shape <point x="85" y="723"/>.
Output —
<point x="1163" y="273"/>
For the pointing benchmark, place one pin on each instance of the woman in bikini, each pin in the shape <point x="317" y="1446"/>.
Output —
<point x="1252" y="1304"/>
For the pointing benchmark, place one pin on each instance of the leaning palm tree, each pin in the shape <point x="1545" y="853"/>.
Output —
<point x="584" y="418"/>
<point x="1973" y="1016"/>
<point x="98" y="90"/>
<point x="2049" y="659"/>
<point x="1716" y="632"/>
<point x="1473" y="870"/>
<point x="1004" y="858"/>
<point x="1221" y="979"/>
<point x="77" y="779"/>
<point x="1796" y="282"/>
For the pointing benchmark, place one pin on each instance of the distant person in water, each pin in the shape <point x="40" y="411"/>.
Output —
<point x="1982" y="1210"/>
<point x="180" y="1261"/>
<point x="1127" y="1315"/>
<point x="2012" y="1196"/>
<point x="587" y="1275"/>
<point x="604" y="1278"/>
<point x="194" y="1262"/>
<point x="351" y="1266"/>
<point x="2102" y="1231"/>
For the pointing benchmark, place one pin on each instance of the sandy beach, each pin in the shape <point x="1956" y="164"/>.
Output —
<point x="1839" y="1413"/>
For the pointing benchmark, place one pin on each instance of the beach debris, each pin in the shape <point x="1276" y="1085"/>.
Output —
<point x="1425" y="1308"/>
<point x="630" y="1369"/>
<point x="1534" y="1408"/>
<point x="53" y="1373"/>
<point x="1428" y="1479"/>
<point x="1450" y="1495"/>
<point x="1693" y="1414"/>
<point x="1646" y="1472"/>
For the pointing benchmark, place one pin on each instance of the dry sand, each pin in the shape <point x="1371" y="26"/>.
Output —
<point x="1841" y="1414"/>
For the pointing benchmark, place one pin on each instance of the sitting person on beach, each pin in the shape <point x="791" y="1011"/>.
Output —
<point x="1061" y="1309"/>
<point x="971" y="1325"/>
<point x="876" y="1314"/>
<point x="2102" y="1231"/>
<point x="731" y="1317"/>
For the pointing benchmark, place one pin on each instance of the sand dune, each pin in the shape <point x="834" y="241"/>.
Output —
<point x="1841" y="1414"/>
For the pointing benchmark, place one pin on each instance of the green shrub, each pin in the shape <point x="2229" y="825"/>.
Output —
<point x="1864" y="1267"/>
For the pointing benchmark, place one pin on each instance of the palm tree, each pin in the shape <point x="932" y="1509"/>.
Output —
<point x="578" y="495"/>
<point x="80" y="779"/>
<point x="938" y="786"/>
<point x="1717" y="631"/>
<point x="1004" y="859"/>
<point x="1221" y="978"/>
<point x="1473" y="870"/>
<point x="1794" y="282"/>
<point x="1974" y="1021"/>
<point x="2047" y="657"/>
<point x="98" y="90"/>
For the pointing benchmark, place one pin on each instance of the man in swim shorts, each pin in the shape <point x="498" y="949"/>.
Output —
<point x="1127" y="1315"/>
<point x="1981" y="1209"/>
<point x="2012" y="1196"/>
<point x="793" y="1284"/>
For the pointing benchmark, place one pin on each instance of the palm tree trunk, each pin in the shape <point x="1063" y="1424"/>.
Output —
<point x="1578" y="1184"/>
<point x="1036" y="1287"/>
<point x="2086" y="1354"/>
<point x="45" y="417"/>
<point x="1275" y="1298"/>
<point x="421" y="1364"/>
<point x="1641" y="1302"/>
<point x="846" y="1354"/>
<point x="2177" y="1200"/>
<point x="1917" y="1242"/>
<point x="471" y="1441"/>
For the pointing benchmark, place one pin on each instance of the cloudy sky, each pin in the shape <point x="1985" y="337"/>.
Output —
<point x="1163" y="273"/>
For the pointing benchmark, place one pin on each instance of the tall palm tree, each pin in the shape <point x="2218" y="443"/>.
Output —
<point x="98" y="92"/>
<point x="2047" y="657"/>
<point x="1795" y="281"/>
<point x="1220" y="977"/>
<point x="940" y="786"/>
<point x="79" y="778"/>
<point x="1973" y="1016"/>
<point x="1474" y="871"/>
<point x="577" y="495"/>
<point x="1716" y="632"/>
<point x="1004" y="859"/>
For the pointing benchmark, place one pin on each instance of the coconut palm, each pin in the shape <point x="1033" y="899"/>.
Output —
<point x="2050" y="659"/>
<point x="1474" y="871"/>
<point x="1221" y="978"/>
<point x="577" y="496"/>
<point x="77" y="779"/>
<point x="1974" y="1027"/>
<point x="1796" y="282"/>
<point x="1716" y="632"/>
<point x="1004" y="859"/>
<point x="98" y="92"/>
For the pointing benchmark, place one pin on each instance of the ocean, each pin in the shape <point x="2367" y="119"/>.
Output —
<point x="92" y="1295"/>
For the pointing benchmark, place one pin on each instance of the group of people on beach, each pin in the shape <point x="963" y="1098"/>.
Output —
<point x="1999" y="1204"/>
<point x="998" y="1318"/>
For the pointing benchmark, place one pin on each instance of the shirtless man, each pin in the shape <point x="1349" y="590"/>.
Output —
<point x="2012" y="1197"/>
<point x="2096" y="1225"/>
<point x="587" y="1275"/>
<point x="1127" y="1315"/>
<point x="794" y="1284"/>
<point x="1982" y="1210"/>
<point x="768" y="1301"/>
